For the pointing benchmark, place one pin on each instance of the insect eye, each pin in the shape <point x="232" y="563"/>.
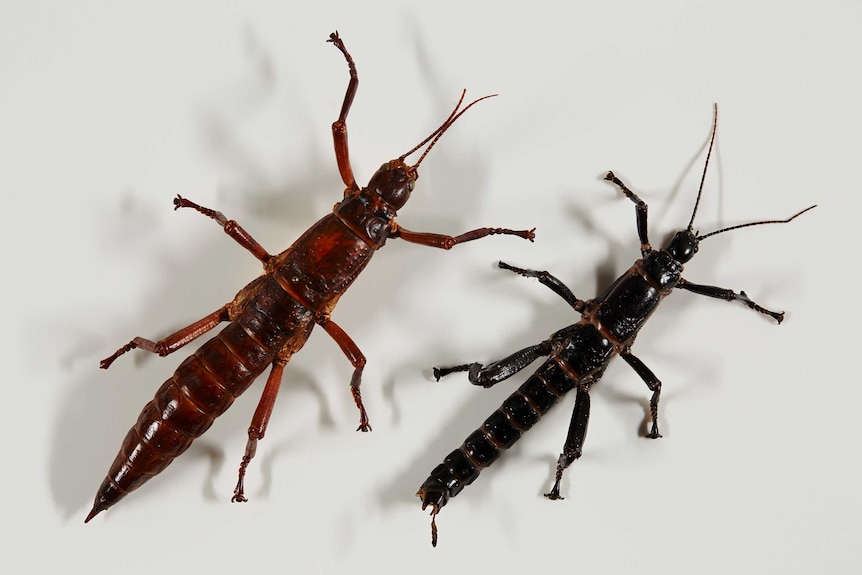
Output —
<point x="411" y="184"/>
<point x="385" y="166"/>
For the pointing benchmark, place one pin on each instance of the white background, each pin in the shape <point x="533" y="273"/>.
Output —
<point x="107" y="111"/>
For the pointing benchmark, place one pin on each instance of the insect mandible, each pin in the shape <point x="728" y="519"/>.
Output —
<point x="272" y="317"/>
<point x="578" y="354"/>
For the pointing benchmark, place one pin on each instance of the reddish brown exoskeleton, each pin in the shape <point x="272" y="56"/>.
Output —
<point x="272" y="317"/>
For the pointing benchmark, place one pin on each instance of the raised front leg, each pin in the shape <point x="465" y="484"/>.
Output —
<point x="573" y="447"/>
<point x="641" y="209"/>
<point x="550" y="281"/>
<point x="492" y="374"/>
<point x="728" y="295"/>
<point x="448" y="242"/>
<point x="653" y="384"/>
<point x="357" y="359"/>
<point x="339" y="127"/>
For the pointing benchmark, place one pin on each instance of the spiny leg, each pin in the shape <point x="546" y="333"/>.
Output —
<point x="448" y="242"/>
<point x="357" y="359"/>
<point x="728" y="295"/>
<point x="230" y="227"/>
<point x="494" y="373"/>
<point x="259" y="421"/>
<point x="653" y="384"/>
<point x="545" y="278"/>
<point x="339" y="127"/>
<point x="641" y="209"/>
<point x="572" y="449"/>
<point x="174" y="341"/>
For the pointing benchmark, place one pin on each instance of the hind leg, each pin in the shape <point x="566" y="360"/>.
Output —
<point x="574" y="440"/>
<point x="494" y="373"/>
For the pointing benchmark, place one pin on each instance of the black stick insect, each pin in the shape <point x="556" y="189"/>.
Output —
<point x="578" y="354"/>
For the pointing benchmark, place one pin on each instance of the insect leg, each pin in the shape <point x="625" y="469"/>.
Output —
<point x="728" y="295"/>
<point x="653" y="384"/>
<point x="231" y="228"/>
<point x="339" y="127"/>
<point x="185" y="335"/>
<point x="357" y="359"/>
<point x="259" y="421"/>
<point x="545" y="278"/>
<point x="641" y="208"/>
<point x="574" y="440"/>
<point x="447" y="242"/>
<point x="174" y="341"/>
<point x="494" y="373"/>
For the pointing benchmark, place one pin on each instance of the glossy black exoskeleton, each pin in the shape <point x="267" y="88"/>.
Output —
<point x="579" y="354"/>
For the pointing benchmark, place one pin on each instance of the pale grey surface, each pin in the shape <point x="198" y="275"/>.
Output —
<point x="106" y="113"/>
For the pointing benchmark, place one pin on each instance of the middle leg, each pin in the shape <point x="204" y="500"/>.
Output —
<point x="231" y="228"/>
<point x="357" y="359"/>
<point x="653" y="384"/>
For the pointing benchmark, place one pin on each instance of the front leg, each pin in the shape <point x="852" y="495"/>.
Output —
<point x="448" y="242"/>
<point x="339" y="127"/>
<point x="641" y="210"/>
<point x="728" y="295"/>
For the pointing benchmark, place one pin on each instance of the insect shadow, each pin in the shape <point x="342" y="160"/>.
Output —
<point x="189" y="281"/>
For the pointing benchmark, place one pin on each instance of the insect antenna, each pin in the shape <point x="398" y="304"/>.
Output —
<point x="436" y="134"/>
<point x="736" y="227"/>
<point x="705" y="164"/>
<point x="700" y="192"/>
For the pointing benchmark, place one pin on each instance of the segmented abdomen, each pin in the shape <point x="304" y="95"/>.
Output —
<point x="519" y="412"/>
<point x="204" y="386"/>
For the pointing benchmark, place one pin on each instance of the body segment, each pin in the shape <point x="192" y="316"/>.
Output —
<point x="204" y="386"/>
